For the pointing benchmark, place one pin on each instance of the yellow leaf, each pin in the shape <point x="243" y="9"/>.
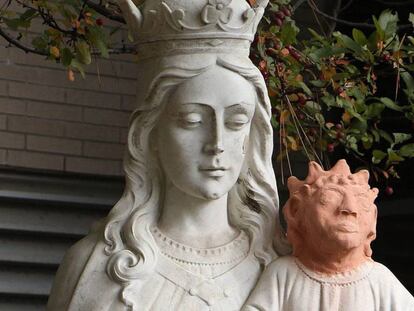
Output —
<point x="71" y="75"/>
<point x="54" y="51"/>
<point x="293" y="97"/>
<point x="285" y="52"/>
<point x="294" y="145"/>
<point x="328" y="73"/>
<point x="346" y="117"/>
<point x="284" y="115"/>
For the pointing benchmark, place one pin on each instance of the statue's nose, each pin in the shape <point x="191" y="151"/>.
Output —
<point x="215" y="144"/>
<point x="349" y="206"/>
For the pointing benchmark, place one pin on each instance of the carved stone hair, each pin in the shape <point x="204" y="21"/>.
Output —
<point x="253" y="201"/>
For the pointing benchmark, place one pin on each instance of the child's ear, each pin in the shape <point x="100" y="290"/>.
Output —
<point x="290" y="211"/>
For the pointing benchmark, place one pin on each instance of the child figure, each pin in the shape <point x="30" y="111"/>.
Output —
<point x="331" y="220"/>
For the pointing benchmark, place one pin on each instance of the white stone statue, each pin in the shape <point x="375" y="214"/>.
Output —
<point x="199" y="216"/>
<point x="331" y="219"/>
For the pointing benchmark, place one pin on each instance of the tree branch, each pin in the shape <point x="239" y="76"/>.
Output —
<point x="19" y="45"/>
<point x="348" y="23"/>
<point x="105" y="12"/>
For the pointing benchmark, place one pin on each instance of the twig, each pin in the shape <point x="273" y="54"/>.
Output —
<point x="348" y="23"/>
<point x="16" y="43"/>
<point x="105" y="12"/>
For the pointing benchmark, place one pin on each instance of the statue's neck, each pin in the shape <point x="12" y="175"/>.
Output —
<point x="333" y="262"/>
<point x="195" y="221"/>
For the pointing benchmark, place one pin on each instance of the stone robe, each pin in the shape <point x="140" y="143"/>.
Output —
<point x="287" y="285"/>
<point x="175" y="285"/>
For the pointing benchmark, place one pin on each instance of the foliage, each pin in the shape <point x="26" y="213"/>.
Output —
<point x="326" y="92"/>
<point x="72" y="30"/>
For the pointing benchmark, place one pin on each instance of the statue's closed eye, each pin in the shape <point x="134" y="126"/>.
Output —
<point x="331" y="198"/>
<point x="190" y="120"/>
<point x="237" y="121"/>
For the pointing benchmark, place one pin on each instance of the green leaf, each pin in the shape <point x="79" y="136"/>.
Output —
<point x="411" y="18"/>
<point x="347" y="42"/>
<point x="378" y="156"/>
<point x="40" y="43"/>
<point x="329" y="100"/>
<point x="83" y="54"/>
<point x="393" y="157"/>
<point x="288" y="33"/>
<point x="359" y="37"/>
<point x="98" y="39"/>
<point x="29" y="14"/>
<point x="401" y="137"/>
<point x="67" y="57"/>
<point x="386" y="136"/>
<point x="367" y="141"/>
<point x="80" y="67"/>
<point x="315" y="35"/>
<point x="13" y="23"/>
<point x="376" y="135"/>
<point x="386" y="24"/>
<point x="319" y="117"/>
<point x="407" y="151"/>
<point x="374" y="110"/>
<point x="390" y="104"/>
<point x="305" y="88"/>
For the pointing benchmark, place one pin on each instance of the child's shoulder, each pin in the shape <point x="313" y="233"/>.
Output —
<point x="282" y="264"/>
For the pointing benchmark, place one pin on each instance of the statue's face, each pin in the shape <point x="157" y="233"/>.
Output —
<point x="203" y="133"/>
<point x="339" y="217"/>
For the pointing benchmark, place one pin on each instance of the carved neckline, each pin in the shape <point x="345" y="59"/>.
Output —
<point x="341" y="279"/>
<point x="224" y="254"/>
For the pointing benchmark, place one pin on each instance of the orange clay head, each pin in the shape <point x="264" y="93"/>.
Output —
<point x="331" y="213"/>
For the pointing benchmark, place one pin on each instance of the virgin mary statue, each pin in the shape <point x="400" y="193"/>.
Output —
<point x="198" y="220"/>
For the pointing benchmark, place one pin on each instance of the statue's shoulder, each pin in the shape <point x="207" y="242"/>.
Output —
<point x="71" y="269"/>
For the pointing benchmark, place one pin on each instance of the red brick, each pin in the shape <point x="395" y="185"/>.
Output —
<point x="34" y="160"/>
<point x="54" y="145"/>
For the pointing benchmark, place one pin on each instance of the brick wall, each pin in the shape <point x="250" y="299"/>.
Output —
<point x="50" y="123"/>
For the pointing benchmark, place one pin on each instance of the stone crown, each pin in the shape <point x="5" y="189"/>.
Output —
<point x="171" y="26"/>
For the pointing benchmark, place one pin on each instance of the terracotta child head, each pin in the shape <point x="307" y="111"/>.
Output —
<point x="331" y="218"/>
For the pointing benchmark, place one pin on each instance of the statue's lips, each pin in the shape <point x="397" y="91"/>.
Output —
<point x="213" y="171"/>
<point x="347" y="227"/>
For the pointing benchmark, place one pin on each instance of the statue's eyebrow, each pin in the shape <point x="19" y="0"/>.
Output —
<point x="239" y="107"/>
<point x="240" y="104"/>
<point x="334" y="189"/>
